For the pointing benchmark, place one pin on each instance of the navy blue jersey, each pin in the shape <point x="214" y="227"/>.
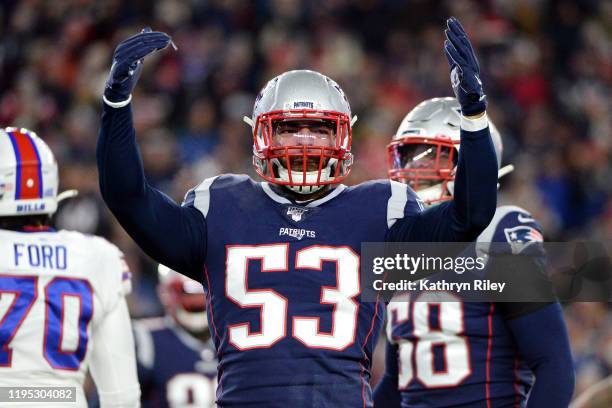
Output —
<point x="282" y="278"/>
<point x="462" y="353"/>
<point x="283" y="288"/>
<point x="174" y="368"/>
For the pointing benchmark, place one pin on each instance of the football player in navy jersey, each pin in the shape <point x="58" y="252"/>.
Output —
<point x="177" y="365"/>
<point x="279" y="259"/>
<point x="443" y="353"/>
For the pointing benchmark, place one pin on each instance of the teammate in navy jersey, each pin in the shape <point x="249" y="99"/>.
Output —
<point x="444" y="352"/>
<point x="279" y="260"/>
<point x="177" y="365"/>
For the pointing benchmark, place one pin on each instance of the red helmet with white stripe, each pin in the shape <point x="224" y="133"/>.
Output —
<point x="28" y="174"/>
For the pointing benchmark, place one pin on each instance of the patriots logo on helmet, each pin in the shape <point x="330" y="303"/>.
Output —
<point x="303" y="104"/>
<point x="522" y="236"/>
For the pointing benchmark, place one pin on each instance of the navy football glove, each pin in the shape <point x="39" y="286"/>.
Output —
<point x="127" y="62"/>
<point x="465" y="71"/>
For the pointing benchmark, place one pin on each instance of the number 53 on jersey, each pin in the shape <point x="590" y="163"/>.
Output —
<point x="273" y="305"/>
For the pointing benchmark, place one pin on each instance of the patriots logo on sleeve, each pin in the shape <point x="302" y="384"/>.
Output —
<point x="522" y="236"/>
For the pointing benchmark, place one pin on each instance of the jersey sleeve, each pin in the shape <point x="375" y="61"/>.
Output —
<point x="171" y="234"/>
<point x="403" y="203"/>
<point x="516" y="239"/>
<point x="113" y="364"/>
<point x="114" y="279"/>
<point x="199" y="196"/>
<point x="543" y="343"/>
<point x="513" y="246"/>
<point x="512" y="230"/>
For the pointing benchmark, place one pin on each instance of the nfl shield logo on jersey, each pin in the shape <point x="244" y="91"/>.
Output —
<point x="296" y="213"/>
<point x="522" y="236"/>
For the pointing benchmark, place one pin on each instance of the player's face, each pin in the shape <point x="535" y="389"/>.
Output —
<point x="425" y="157"/>
<point x="304" y="133"/>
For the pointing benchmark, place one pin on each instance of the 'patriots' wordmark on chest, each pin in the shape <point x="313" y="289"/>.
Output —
<point x="297" y="233"/>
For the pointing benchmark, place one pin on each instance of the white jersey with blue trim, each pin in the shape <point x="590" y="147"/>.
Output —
<point x="55" y="290"/>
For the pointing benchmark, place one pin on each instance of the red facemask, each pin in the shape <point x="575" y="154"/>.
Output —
<point x="424" y="162"/>
<point x="312" y="147"/>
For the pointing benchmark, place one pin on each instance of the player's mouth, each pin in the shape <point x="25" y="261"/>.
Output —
<point x="297" y="164"/>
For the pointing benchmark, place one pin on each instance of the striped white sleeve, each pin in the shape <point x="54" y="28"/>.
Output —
<point x="199" y="196"/>
<point x="397" y="202"/>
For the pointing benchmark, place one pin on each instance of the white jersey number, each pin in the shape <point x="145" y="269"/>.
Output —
<point x="449" y="337"/>
<point x="273" y="306"/>
<point x="68" y="311"/>
<point x="191" y="390"/>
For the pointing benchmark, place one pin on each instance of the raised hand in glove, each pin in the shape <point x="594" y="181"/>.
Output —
<point x="465" y="71"/>
<point x="127" y="63"/>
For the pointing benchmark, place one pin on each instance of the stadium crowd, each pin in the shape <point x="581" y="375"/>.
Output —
<point x="547" y="66"/>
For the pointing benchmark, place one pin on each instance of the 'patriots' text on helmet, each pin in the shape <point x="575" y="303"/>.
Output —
<point x="184" y="300"/>
<point x="301" y="126"/>
<point x="28" y="174"/>
<point x="425" y="149"/>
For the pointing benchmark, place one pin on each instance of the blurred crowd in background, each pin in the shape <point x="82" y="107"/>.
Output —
<point x="546" y="66"/>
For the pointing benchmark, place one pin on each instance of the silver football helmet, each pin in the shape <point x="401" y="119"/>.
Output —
<point x="301" y="126"/>
<point x="425" y="149"/>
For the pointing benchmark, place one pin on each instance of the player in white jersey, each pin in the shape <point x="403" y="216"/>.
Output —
<point x="62" y="293"/>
